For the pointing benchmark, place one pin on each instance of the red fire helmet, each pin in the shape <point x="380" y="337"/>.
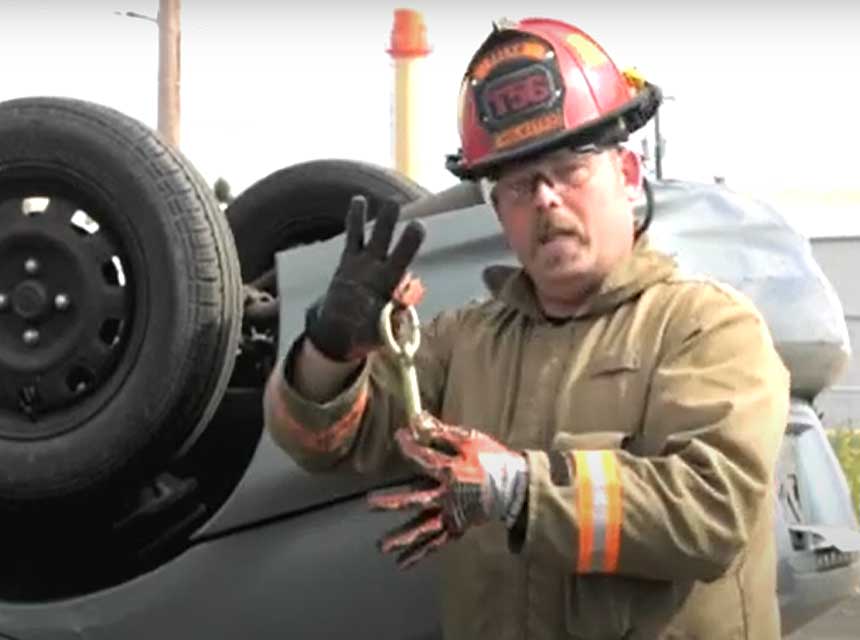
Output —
<point x="537" y="85"/>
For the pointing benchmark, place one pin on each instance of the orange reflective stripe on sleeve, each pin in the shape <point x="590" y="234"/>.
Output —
<point x="597" y="489"/>
<point x="324" y="440"/>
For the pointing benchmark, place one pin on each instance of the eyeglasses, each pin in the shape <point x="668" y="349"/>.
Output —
<point x="561" y="174"/>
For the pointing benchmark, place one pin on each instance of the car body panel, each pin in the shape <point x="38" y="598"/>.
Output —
<point x="816" y="528"/>
<point x="275" y="486"/>
<point x="313" y="576"/>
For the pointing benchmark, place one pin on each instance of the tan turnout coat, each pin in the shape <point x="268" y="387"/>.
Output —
<point x="651" y="423"/>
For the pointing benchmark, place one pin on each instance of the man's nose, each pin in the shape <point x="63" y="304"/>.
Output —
<point x="545" y="196"/>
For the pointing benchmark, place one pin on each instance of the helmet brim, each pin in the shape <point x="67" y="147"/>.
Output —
<point x="612" y="128"/>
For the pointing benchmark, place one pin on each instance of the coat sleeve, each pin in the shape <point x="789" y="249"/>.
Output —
<point x="718" y="403"/>
<point x="354" y="430"/>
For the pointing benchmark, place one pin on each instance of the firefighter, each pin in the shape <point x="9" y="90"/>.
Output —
<point x="602" y="430"/>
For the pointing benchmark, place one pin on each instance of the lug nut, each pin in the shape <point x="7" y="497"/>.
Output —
<point x="31" y="337"/>
<point x="31" y="266"/>
<point x="4" y="302"/>
<point x="62" y="302"/>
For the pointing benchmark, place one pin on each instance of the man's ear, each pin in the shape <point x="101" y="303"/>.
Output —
<point x="631" y="173"/>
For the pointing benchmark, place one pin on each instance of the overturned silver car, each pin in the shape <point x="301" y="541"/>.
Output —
<point x="141" y="496"/>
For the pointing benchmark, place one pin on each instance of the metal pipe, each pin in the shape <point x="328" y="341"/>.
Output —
<point x="408" y="46"/>
<point x="462" y="195"/>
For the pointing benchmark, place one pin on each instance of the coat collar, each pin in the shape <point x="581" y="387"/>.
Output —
<point x="642" y="268"/>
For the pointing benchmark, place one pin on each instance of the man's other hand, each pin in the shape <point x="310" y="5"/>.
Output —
<point x="470" y="479"/>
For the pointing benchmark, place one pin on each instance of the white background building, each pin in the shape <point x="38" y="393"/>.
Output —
<point x="839" y="257"/>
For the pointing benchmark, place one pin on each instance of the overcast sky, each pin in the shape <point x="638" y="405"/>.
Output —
<point x="765" y="93"/>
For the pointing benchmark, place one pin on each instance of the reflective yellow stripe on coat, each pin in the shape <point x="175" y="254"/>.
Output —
<point x="597" y="492"/>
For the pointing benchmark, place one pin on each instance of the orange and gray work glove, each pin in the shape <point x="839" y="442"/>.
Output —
<point x="343" y="324"/>
<point x="473" y="480"/>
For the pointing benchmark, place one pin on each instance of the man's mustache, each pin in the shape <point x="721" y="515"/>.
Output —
<point x="547" y="230"/>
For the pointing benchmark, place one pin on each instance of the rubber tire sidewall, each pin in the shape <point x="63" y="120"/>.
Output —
<point x="187" y="312"/>
<point x="308" y="202"/>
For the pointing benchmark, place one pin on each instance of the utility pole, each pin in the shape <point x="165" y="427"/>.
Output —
<point x="168" y="70"/>
<point x="659" y="142"/>
<point x="658" y="146"/>
<point x="169" y="51"/>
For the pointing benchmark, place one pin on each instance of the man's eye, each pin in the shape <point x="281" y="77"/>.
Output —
<point x="574" y="171"/>
<point x="514" y="189"/>
<point x="522" y="186"/>
<point x="579" y="165"/>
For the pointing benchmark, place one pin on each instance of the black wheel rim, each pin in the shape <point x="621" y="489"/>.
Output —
<point x="66" y="303"/>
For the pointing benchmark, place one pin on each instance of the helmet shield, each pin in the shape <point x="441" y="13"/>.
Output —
<point x="518" y="92"/>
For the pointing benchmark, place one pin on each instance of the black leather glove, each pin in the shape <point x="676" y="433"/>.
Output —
<point x="343" y="324"/>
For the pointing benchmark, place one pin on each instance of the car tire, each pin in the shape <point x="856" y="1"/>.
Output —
<point x="306" y="203"/>
<point x="120" y="326"/>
